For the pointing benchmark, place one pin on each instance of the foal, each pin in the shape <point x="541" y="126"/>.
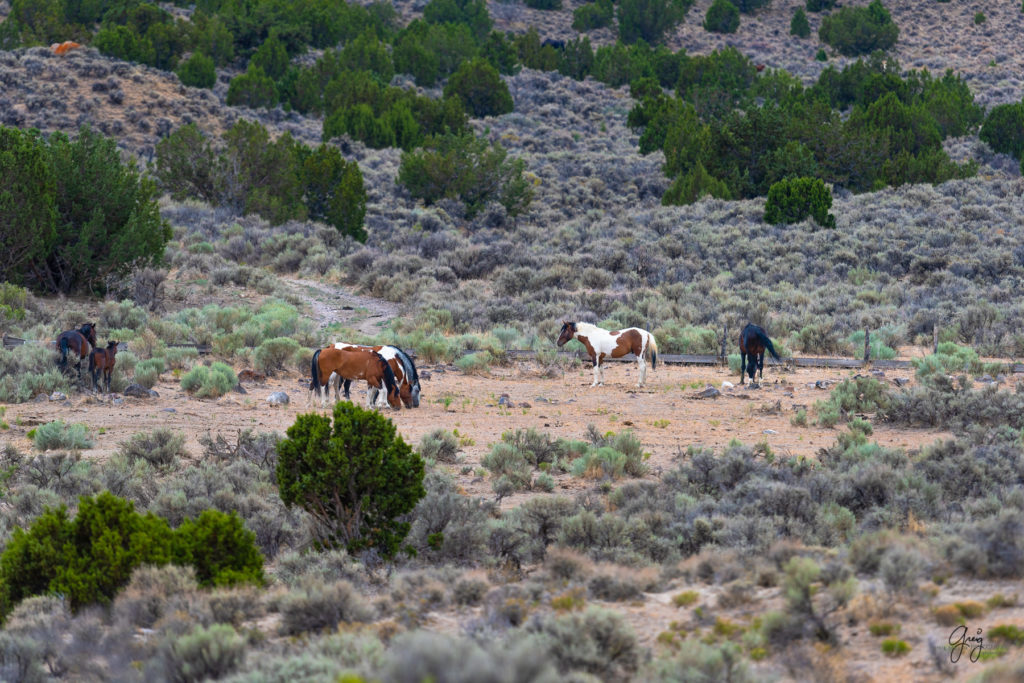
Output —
<point x="753" y="341"/>
<point x="102" y="361"/>
<point x="349" y="364"/>
<point x="601" y="344"/>
<point x="79" y="342"/>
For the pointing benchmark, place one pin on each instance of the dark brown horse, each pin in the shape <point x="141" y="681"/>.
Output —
<point x="406" y="377"/>
<point x="351" y="364"/>
<point x="753" y="342"/>
<point x="101" y="361"/>
<point x="78" y="342"/>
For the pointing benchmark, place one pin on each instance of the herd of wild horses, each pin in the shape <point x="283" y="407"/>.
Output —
<point x="390" y="373"/>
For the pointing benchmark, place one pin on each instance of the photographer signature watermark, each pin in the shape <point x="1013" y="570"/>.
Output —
<point x="960" y="640"/>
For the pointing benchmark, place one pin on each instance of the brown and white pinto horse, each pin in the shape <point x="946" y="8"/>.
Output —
<point x="102" y="361"/>
<point x="353" y="364"/>
<point x="601" y="344"/>
<point x="406" y="377"/>
<point x="79" y="342"/>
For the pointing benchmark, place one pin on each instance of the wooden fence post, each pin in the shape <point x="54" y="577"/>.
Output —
<point x="724" y="359"/>
<point x="935" y="339"/>
<point x="867" y="346"/>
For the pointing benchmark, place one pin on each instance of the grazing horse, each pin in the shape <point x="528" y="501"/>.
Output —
<point x="353" y="364"/>
<point x="401" y="364"/>
<point x="601" y="344"/>
<point x="102" y="361"/>
<point x="79" y="342"/>
<point x="753" y="341"/>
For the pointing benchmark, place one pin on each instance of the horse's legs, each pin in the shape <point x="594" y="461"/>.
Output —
<point x="600" y="372"/>
<point x="760" y="364"/>
<point x="743" y="365"/>
<point x="348" y="386"/>
<point x="596" y="369"/>
<point x="642" y="367"/>
<point x="371" y="396"/>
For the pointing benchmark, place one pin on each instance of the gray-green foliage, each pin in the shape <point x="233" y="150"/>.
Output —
<point x="316" y="605"/>
<point x="202" y="654"/>
<point x="162" y="448"/>
<point x="210" y="382"/>
<point x="58" y="434"/>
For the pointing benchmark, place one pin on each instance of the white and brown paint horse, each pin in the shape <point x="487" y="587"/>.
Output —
<point x="406" y="377"/>
<point x="601" y="344"/>
<point x="349" y="364"/>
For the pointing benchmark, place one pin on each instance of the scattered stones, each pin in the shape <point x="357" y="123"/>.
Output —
<point x="900" y="381"/>
<point x="278" y="398"/>
<point x="168" y="410"/>
<point x="822" y="383"/>
<point x="727" y="385"/>
<point x="58" y="396"/>
<point x="118" y="401"/>
<point x="769" y="431"/>
<point x="41" y="398"/>
<point x="504" y="400"/>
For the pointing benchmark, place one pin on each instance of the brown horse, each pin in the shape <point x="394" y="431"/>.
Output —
<point x="406" y="377"/>
<point x="79" y="342"/>
<point x="601" y="344"/>
<point x="351" y="364"/>
<point x="753" y="342"/>
<point x="102" y="361"/>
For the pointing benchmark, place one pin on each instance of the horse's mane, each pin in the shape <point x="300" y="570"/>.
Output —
<point x="410" y="367"/>
<point x="389" y="375"/>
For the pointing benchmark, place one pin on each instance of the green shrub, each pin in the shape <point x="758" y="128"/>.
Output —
<point x="693" y="185"/>
<point x="335" y="192"/>
<point x="467" y="168"/>
<point x="253" y="89"/>
<point x="1007" y="633"/>
<point x="316" y="606"/>
<point x="222" y="551"/>
<point x="877" y="348"/>
<point x="649" y="20"/>
<point x="85" y="213"/>
<point x="357" y="478"/>
<point x="210" y="382"/>
<point x="750" y="6"/>
<point x="203" y="654"/>
<point x="439" y="445"/>
<point x="698" y="661"/>
<point x="197" y="71"/>
<point x="87" y="559"/>
<point x="593" y="15"/>
<point x="979" y="18"/>
<point x="819" y="5"/>
<point x="273" y="355"/>
<point x="595" y="641"/>
<point x="475" y="362"/>
<point x="820" y="55"/>
<point x="147" y="372"/>
<point x="1003" y="129"/>
<point x="794" y="199"/>
<point x="859" y="30"/>
<point x="799" y="26"/>
<point x="480" y="88"/>
<point x="12" y="297"/>
<point x="894" y="647"/>
<point x="722" y="17"/>
<point x="56" y="435"/>
<point x="544" y="4"/>
<point x="124" y="43"/>
<point x="505" y="460"/>
<point x="162" y="448"/>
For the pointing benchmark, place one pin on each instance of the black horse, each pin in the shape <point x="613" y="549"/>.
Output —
<point x="80" y="342"/>
<point x="753" y="342"/>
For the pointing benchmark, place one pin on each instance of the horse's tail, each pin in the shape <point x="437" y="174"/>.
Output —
<point x="314" y="373"/>
<point x="652" y="350"/>
<point x="63" y="343"/>
<point x="768" y="345"/>
<point x="390" y="382"/>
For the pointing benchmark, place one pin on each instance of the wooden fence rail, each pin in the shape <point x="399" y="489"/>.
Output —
<point x="666" y="358"/>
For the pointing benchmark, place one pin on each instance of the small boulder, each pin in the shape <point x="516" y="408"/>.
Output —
<point x="136" y="391"/>
<point x="505" y="400"/>
<point x="239" y="389"/>
<point x="118" y="401"/>
<point x="278" y="398"/>
<point x="58" y="396"/>
<point x="709" y="392"/>
<point x="41" y="398"/>
<point x="727" y="385"/>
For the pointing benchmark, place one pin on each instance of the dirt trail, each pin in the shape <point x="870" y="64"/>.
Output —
<point x="332" y="304"/>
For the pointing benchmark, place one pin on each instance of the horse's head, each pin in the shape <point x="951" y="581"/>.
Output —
<point x="88" y="331"/>
<point x="112" y="350"/>
<point x="568" y="332"/>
